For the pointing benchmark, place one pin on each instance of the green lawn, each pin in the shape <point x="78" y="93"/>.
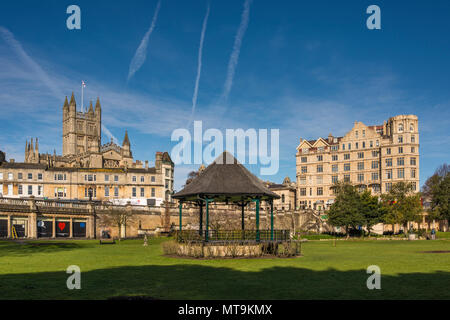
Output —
<point x="33" y="271"/>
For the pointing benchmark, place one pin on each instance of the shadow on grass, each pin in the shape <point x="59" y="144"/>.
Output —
<point x="26" y="248"/>
<point x="185" y="281"/>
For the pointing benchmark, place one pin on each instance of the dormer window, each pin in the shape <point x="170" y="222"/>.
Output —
<point x="356" y="133"/>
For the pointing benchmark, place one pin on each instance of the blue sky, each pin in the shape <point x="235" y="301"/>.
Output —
<point x="306" y="67"/>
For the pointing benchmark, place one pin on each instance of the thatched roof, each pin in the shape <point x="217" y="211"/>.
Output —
<point x="226" y="179"/>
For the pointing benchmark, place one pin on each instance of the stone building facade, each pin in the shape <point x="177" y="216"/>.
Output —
<point x="371" y="157"/>
<point x="87" y="169"/>
<point x="287" y="192"/>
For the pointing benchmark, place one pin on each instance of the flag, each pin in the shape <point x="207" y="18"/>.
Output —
<point x="83" y="84"/>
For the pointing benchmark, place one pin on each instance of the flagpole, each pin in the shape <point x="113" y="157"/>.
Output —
<point x="82" y="109"/>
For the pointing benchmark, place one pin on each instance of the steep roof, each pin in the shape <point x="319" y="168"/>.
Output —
<point x="226" y="179"/>
<point x="126" y="140"/>
<point x="72" y="100"/>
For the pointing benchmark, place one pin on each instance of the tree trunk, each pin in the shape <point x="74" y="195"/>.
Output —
<point x="120" y="230"/>
<point x="346" y="232"/>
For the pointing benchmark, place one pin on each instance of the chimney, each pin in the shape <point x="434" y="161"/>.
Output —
<point x="330" y="138"/>
<point x="146" y="164"/>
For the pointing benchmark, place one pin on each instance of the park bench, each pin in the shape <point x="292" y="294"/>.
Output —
<point x="108" y="241"/>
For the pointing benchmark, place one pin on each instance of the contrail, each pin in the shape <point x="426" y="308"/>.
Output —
<point x="199" y="67"/>
<point x="109" y="134"/>
<point x="42" y="75"/>
<point x="236" y="50"/>
<point x="141" y="52"/>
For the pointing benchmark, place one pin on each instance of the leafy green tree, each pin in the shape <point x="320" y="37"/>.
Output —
<point x="346" y="209"/>
<point x="436" y="191"/>
<point x="402" y="204"/>
<point x="443" y="198"/>
<point x="430" y="190"/>
<point x="371" y="209"/>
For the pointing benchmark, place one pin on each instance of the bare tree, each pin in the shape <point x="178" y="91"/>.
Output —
<point x="116" y="216"/>
<point x="191" y="176"/>
<point x="165" y="217"/>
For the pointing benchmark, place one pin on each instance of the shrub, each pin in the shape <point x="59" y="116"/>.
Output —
<point x="170" y="247"/>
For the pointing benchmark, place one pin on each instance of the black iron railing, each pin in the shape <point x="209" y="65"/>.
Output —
<point x="232" y="235"/>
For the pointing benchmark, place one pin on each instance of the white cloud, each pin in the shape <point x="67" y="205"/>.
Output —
<point x="15" y="45"/>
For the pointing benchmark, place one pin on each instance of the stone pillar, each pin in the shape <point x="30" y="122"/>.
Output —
<point x="32" y="203"/>
<point x="123" y="231"/>
<point x="32" y="223"/>
<point x="71" y="228"/>
<point x="88" y="227"/>
<point x="9" y="226"/>
<point x="54" y="228"/>
<point x="92" y="222"/>
<point x="91" y="228"/>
